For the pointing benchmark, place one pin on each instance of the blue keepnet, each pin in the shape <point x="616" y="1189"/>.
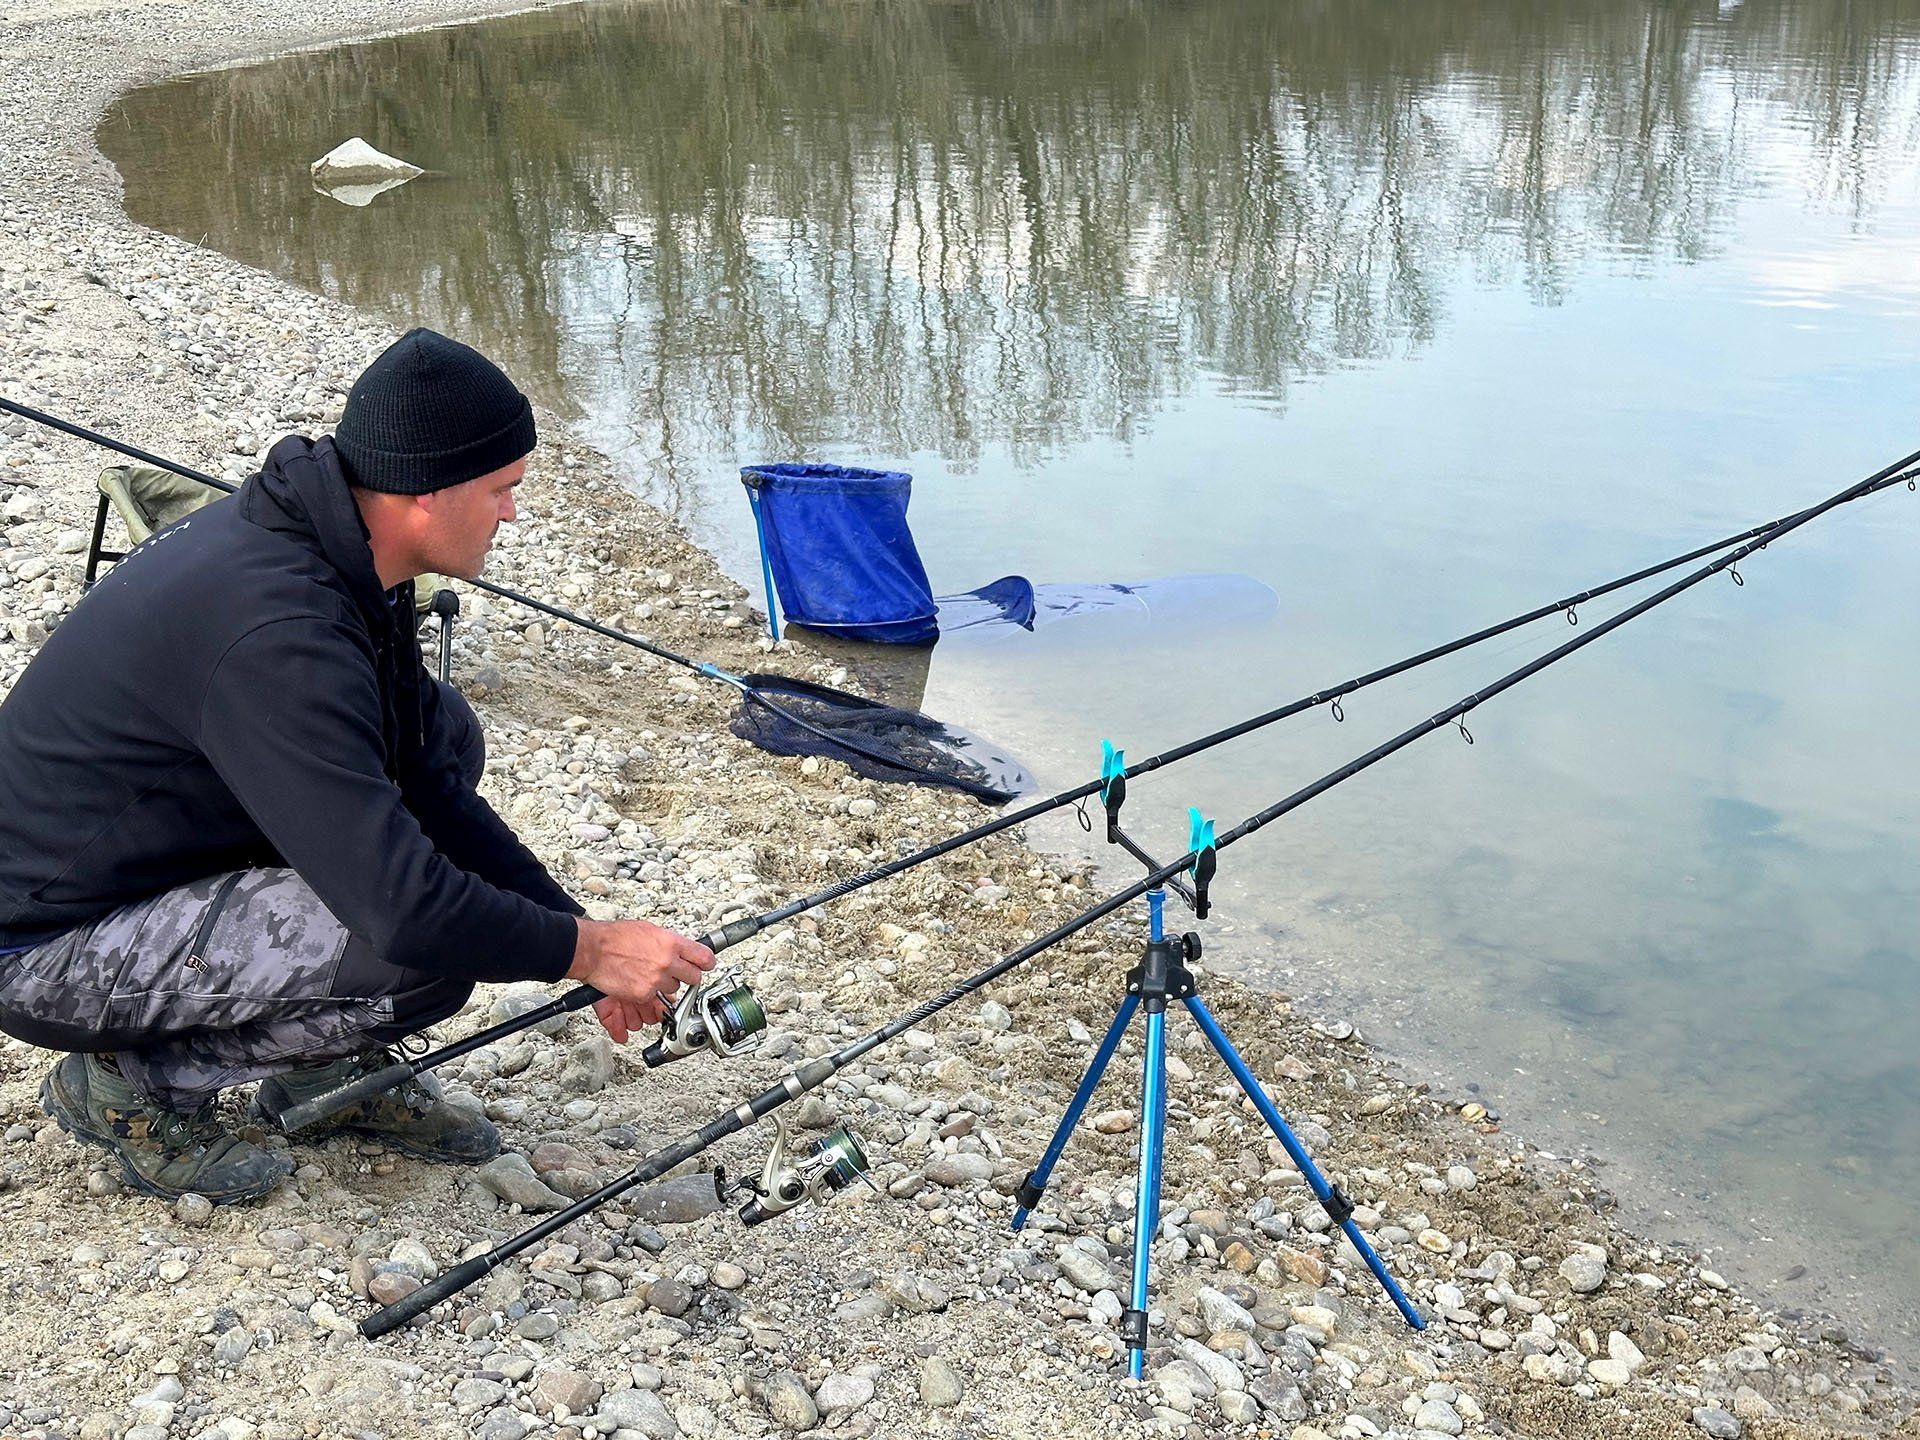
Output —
<point x="842" y="558"/>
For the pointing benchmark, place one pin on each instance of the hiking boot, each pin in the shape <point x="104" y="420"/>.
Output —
<point x="414" y="1116"/>
<point x="161" y="1152"/>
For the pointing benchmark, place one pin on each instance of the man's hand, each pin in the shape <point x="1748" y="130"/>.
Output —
<point x="638" y="967"/>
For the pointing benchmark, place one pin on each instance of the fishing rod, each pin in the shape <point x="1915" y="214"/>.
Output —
<point x="814" y="1073"/>
<point x="1111" y="784"/>
<point x="749" y="686"/>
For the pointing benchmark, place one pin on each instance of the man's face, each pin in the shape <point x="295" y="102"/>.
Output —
<point x="461" y="521"/>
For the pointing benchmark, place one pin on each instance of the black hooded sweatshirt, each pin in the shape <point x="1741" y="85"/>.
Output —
<point x="240" y="691"/>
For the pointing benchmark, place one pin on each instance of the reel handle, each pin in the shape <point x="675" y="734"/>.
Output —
<point x="320" y="1106"/>
<point x="424" y="1299"/>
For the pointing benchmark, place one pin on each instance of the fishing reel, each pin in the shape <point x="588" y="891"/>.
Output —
<point x="822" y="1169"/>
<point x="719" y="1014"/>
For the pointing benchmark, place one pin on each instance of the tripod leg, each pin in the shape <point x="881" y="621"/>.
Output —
<point x="1031" y="1188"/>
<point x="1146" y="1201"/>
<point x="1159" y="1103"/>
<point x="1336" y="1204"/>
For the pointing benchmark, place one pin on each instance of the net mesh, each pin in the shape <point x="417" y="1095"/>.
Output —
<point x="794" y="717"/>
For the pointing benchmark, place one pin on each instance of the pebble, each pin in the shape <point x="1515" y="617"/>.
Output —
<point x="1584" y="1272"/>
<point x="590" y="1066"/>
<point x="1237" y="1407"/>
<point x="192" y="1209"/>
<point x="567" y="1390"/>
<point x="167" y="1390"/>
<point x="940" y="1384"/>
<point x="391" y="1286"/>
<point x="472" y="1396"/>
<point x="1222" y="1372"/>
<point x="1182" y="1385"/>
<point x="1085" y="1270"/>
<point x="1221" y="1312"/>
<point x="639" y="1410"/>
<point x="537" y="1326"/>
<point x="1717" y="1422"/>
<point x="840" y="1395"/>
<point x="669" y="1297"/>
<point x="679" y="1201"/>
<point x="959" y="1171"/>
<point x="1549" y="1369"/>
<point x="517" y="1002"/>
<point x="788" y="1403"/>
<point x="1306" y="1268"/>
<point x="1609" y="1372"/>
<point x="511" y="1178"/>
<point x="1280" y="1397"/>
<point x="728" y="1276"/>
<point x="1620" y="1348"/>
<point x="1439" y="1415"/>
<point x="501" y="1425"/>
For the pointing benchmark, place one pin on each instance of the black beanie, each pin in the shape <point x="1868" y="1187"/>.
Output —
<point x="429" y="413"/>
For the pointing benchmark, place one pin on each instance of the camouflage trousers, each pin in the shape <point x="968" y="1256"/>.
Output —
<point x="222" y="981"/>
<point x="229" y="979"/>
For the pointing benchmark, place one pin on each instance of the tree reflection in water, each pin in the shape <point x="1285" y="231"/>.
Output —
<point x="935" y="227"/>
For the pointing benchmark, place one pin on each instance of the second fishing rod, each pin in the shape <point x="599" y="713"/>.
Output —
<point x="1110" y="786"/>
<point x="814" y="1073"/>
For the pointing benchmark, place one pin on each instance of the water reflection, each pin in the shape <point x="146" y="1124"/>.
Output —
<point x="937" y="228"/>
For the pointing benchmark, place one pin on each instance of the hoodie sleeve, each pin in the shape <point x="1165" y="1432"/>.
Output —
<point x="462" y="825"/>
<point x="291" y="723"/>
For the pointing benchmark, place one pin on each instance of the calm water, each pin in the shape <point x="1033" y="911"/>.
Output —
<point x="1420" y="315"/>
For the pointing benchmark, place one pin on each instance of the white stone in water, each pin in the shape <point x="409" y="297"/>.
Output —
<point x="355" y="162"/>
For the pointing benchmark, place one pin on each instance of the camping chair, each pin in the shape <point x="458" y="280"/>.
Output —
<point x="148" y="499"/>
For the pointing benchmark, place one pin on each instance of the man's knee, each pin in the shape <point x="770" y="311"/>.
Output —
<point x="460" y="727"/>
<point x="416" y="999"/>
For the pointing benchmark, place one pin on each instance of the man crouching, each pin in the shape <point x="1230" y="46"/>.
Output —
<point x="239" y="832"/>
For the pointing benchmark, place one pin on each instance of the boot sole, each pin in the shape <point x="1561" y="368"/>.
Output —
<point x="323" y="1130"/>
<point x="56" y="1105"/>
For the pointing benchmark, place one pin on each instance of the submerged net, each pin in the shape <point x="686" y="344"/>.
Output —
<point x="793" y="717"/>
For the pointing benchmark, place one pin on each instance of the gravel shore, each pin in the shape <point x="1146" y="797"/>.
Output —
<point x="906" y="1310"/>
